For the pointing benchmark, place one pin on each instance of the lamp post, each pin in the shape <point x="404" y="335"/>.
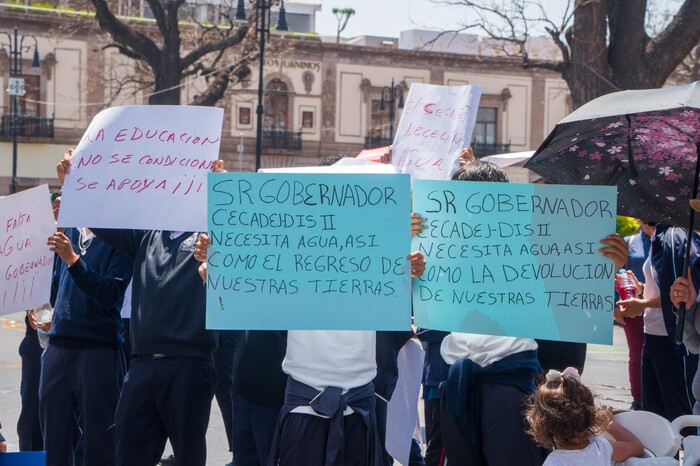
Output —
<point x="394" y="95"/>
<point x="262" y="31"/>
<point x="16" y="48"/>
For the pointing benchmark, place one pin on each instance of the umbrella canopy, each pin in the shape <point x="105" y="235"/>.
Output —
<point x="509" y="159"/>
<point x="645" y="142"/>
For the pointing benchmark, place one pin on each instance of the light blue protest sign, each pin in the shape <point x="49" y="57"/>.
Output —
<point x="515" y="259"/>
<point x="308" y="252"/>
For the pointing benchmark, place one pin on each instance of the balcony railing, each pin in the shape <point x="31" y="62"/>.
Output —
<point x="27" y="126"/>
<point x="285" y="140"/>
<point x="372" y="142"/>
<point x="482" y="150"/>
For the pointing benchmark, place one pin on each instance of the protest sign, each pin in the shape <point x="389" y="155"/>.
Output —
<point x="436" y="124"/>
<point x="26" y="222"/>
<point x="402" y="410"/>
<point x="515" y="259"/>
<point x="308" y="252"/>
<point x="24" y="458"/>
<point x="143" y="167"/>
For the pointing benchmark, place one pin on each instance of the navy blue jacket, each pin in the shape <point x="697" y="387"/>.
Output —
<point x="89" y="297"/>
<point x="168" y="298"/>
<point x="667" y="256"/>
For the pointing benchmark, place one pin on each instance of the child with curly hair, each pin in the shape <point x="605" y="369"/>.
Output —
<point x="562" y="415"/>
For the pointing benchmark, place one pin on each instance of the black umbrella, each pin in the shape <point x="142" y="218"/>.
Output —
<point x="647" y="143"/>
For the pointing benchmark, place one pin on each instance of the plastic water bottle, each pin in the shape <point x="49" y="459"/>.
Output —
<point x="624" y="284"/>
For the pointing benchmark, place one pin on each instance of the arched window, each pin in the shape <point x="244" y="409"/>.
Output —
<point x="276" y="106"/>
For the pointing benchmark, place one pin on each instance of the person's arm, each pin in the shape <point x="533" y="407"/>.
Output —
<point x="3" y="443"/>
<point x="634" y="307"/>
<point x="624" y="443"/>
<point x="108" y="289"/>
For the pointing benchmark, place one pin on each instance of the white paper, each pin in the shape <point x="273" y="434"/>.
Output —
<point x="143" y="167"/>
<point x="436" y="124"/>
<point x="402" y="412"/>
<point x="26" y="263"/>
<point x="126" y="304"/>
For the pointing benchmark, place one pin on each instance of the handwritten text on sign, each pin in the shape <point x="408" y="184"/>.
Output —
<point x="143" y="167"/>
<point x="436" y="124"/>
<point x="516" y="260"/>
<point x="308" y="252"/>
<point x="26" y="222"/>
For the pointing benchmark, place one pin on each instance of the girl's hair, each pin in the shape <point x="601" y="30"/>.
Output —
<point x="562" y="412"/>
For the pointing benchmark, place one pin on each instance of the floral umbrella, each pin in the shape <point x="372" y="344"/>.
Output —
<point x="650" y="155"/>
<point x="644" y="142"/>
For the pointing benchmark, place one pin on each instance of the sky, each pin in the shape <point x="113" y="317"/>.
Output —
<point x="387" y="17"/>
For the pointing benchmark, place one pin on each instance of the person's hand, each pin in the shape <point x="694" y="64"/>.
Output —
<point x="218" y="167"/>
<point x="45" y="327"/>
<point x="386" y="156"/>
<point x="467" y="156"/>
<point x="616" y="249"/>
<point x="63" y="166"/>
<point x="638" y="285"/>
<point x="202" y="269"/>
<point x="3" y="447"/>
<point x="417" y="224"/>
<point x="200" y="249"/>
<point x="60" y="244"/>
<point x="683" y="291"/>
<point x="632" y="307"/>
<point x="32" y="319"/>
<point x="417" y="264"/>
<point x="617" y="315"/>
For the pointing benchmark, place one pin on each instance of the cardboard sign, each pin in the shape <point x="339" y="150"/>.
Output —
<point x="436" y="124"/>
<point x="143" y="167"/>
<point x="516" y="259"/>
<point x="26" y="263"/>
<point x="402" y="411"/>
<point x="308" y="252"/>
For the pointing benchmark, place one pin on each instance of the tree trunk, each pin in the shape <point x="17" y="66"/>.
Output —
<point x="167" y="89"/>
<point x="587" y="73"/>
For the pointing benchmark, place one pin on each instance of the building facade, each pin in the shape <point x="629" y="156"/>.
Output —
<point x="320" y="97"/>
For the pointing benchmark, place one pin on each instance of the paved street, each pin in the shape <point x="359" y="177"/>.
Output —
<point x="606" y="372"/>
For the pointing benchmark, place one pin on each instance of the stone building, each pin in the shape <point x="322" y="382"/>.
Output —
<point x="321" y="97"/>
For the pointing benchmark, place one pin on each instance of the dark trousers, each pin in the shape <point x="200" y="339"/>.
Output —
<point x="634" y="333"/>
<point x="303" y="441"/>
<point x="253" y="431"/>
<point x="28" y="427"/>
<point x="667" y="375"/>
<point x="167" y="398"/>
<point x="79" y="386"/>
<point x="503" y="438"/>
<point x="434" y="455"/>
<point x="223" y="363"/>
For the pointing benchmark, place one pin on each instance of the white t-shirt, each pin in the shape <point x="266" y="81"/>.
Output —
<point x="331" y="358"/>
<point x="482" y="349"/>
<point x="653" y="316"/>
<point x="597" y="453"/>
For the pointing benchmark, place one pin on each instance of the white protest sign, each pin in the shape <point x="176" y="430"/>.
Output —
<point x="436" y="124"/>
<point x="26" y="222"/>
<point x="143" y="167"/>
<point x="402" y="411"/>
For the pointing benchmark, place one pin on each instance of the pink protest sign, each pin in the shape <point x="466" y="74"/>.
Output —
<point x="143" y="167"/>
<point x="436" y="124"/>
<point x="26" y="222"/>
